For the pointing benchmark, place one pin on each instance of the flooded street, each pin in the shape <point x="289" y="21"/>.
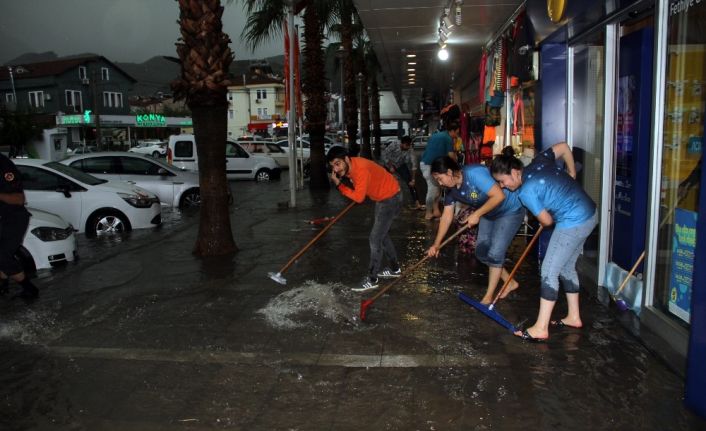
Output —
<point x="141" y="335"/>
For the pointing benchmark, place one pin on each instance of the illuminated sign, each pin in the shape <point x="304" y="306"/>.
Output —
<point x="71" y="119"/>
<point x="87" y="116"/>
<point x="150" y="120"/>
<point x="186" y="123"/>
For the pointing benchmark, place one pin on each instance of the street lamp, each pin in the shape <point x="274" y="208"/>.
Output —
<point x="360" y="79"/>
<point x="12" y="82"/>
<point x="339" y="54"/>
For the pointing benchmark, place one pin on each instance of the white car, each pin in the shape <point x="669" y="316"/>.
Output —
<point x="90" y="204"/>
<point x="172" y="186"/>
<point x="152" y="148"/>
<point x="48" y="242"/>
<point x="271" y="149"/>
<point x="239" y="163"/>
<point x="305" y="147"/>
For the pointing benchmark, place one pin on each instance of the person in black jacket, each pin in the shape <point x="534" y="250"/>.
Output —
<point x="14" y="219"/>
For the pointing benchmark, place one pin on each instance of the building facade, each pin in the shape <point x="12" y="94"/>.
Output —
<point x="256" y="105"/>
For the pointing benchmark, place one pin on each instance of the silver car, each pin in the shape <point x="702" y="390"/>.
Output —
<point x="172" y="186"/>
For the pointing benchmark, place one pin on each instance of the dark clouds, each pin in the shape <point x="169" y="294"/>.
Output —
<point x="121" y="30"/>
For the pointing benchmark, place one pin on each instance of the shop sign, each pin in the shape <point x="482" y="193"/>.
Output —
<point x="683" y="245"/>
<point x="150" y="120"/>
<point x="68" y="120"/>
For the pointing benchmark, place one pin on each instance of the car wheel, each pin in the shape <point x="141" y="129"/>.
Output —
<point x="106" y="223"/>
<point x="263" y="175"/>
<point x="190" y="199"/>
<point x="155" y="154"/>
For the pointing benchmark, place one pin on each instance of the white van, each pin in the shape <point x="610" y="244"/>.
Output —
<point x="240" y="164"/>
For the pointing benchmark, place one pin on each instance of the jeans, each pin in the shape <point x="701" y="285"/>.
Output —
<point x="559" y="263"/>
<point x="495" y="236"/>
<point x="406" y="176"/>
<point x="380" y="242"/>
<point x="12" y="231"/>
<point x="432" y="186"/>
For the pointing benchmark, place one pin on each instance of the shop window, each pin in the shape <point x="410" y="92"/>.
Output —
<point x="682" y="152"/>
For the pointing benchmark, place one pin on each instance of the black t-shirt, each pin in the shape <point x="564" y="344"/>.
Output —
<point x="10" y="182"/>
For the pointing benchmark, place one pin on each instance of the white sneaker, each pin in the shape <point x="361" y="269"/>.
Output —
<point x="368" y="284"/>
<point x="388" y="273"/>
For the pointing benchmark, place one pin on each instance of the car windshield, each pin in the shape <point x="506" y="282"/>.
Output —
<point x="75" y="174"/>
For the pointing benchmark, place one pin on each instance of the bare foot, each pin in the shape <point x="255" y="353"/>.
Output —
<point x="487" y="300"/>
<point x="513" y="286"/>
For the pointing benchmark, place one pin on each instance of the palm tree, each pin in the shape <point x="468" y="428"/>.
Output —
<point x="344" y="12"/>
<point x="265" y="18"/>
<point x="205" y="57"/>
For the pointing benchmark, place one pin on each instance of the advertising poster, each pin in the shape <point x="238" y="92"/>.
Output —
<point x="683" y="245"/>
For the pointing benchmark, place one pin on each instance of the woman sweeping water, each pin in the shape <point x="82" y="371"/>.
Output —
<point x="497" y="212"/>
<point x="555" y="198"/>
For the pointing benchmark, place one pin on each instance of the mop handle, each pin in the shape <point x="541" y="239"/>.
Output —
<point x="517" y="265"/>
<point x="632" y="271"/>
<point x="316" y="238"/>
<point x="642" y="256"/>
<point x="416" y="265"/>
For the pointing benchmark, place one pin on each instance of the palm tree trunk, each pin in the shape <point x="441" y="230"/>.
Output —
<point x="375" y="112"/>
<point x="205" y="57"/>
<point x="365" y="118"/>
<point x="215" y="234"/>
<point x="350" y="99"/>
<point x="314" y="89"/>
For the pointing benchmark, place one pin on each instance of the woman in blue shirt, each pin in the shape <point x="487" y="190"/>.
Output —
<point x="555" y="198"/>
<point x="498" y="214"/>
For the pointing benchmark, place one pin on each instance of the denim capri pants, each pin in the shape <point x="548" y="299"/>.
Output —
<point x="495" y="236"/>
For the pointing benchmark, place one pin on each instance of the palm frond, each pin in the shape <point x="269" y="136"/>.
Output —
<point x="264" y="21"/>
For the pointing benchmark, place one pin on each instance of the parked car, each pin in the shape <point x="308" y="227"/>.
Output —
<point x="48" y="242"/>
<point x="271" y="149"/>
<point x="80" y="150"/>
<point x="239" y="163"/>
<point x="153" y="148"/>
<point x="172" y="186"/>
<point x="92" y="205"/>
<point x="305" y="147"/>
<point x="420" y="142"/>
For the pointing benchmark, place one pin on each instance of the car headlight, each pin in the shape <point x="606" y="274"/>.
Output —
<point x="138" y="200"/>
<point x="47" y="234"/>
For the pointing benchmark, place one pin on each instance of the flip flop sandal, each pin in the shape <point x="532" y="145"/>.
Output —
<point x="558" y="324"/>
<point x="527" y="337"/>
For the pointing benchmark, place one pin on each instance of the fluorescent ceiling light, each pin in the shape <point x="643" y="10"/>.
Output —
<point x="411" y="55"/>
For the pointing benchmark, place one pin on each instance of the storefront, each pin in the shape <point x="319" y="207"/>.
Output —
<point x="626" y="88"/>
<point x="120" y="132"/>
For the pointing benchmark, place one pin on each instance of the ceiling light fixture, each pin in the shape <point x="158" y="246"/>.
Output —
<point x="443" y="37"/>
<point x="446" y="21"/>
<point x="411" y="55"/>
<point x="443" y="54"/>
<point x="410" y="70"/>
<point x="457" y="15"/>
<point x="411" y="63"/>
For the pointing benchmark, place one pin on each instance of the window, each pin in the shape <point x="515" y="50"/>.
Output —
<point x="97" y="165"/>
<point x="235" y="150"/>
<point x="112" y="100"/>
<point x="104" y="74"/>
<point x="264" y="112"/>
<point x="183" y="149"/>
<point x="682" y="163"/>
<point x="36" y="99"/>
<point x="73" y="100"/>
<point x="259" y="112"/>
<point x="262" y="94"/>
<point x="9" y="98"/>
<point x="136" y="166"/>
<point x="82" y="73"/>
<point x="231" y="114"/>
<point x="38" y="179"/>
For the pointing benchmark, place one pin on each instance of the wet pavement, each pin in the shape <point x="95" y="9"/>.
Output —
<point x="141" y="335"/>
